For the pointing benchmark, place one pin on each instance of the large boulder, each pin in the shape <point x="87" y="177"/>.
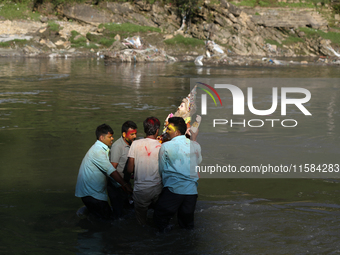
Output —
<point x="86" y="13"/>
<point x="117" y="8"/>
<point x="285" y="19"/>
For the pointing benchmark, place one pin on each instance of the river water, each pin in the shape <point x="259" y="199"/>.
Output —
<point x="49" y="109"/>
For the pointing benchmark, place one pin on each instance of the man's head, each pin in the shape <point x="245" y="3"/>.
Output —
<point x="151" y="126"/>
<point x="129" y="131"/>
<point x="104" y="134"/>
<point x="176" y="127"/>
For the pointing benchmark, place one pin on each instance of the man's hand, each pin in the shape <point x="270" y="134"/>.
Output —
<point x="116" y="176"/>
<point x="193" y="136"/>
<point x="126" y="187"/>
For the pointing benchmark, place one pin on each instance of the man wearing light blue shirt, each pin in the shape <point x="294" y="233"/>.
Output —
<point x="93" y="172"/>
<point x="177" y="161"/>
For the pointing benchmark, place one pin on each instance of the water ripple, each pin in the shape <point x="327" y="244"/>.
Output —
<point x="43" y="77"/>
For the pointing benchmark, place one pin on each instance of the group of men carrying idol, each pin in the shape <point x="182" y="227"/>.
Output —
<point x="163" y="173"/>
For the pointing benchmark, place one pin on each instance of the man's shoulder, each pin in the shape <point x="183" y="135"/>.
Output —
<point x="146" y="142"/>
<point x="180" y="140"/>
<point x="118" y="144"/>
<point x="168" y="145"/>
<point x="118" y="141"/>
<point x="97" y="146"/>
<point x="97" y="149"/>
<point x="138" y="141"/>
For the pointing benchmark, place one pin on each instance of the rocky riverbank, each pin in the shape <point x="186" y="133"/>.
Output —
<point x="139" y="32"/>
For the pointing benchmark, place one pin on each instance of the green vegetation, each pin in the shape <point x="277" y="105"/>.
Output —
<point x="179" y="39"/>
<point x="274" y="3"/>
<point x="297" y="5"/>
<point x="80" y="41"/>
<point x="288" y="41"/>
<point x="107" y="42"/>
<point x="250" y="3"/>
<point x="310" y="33"/>
<point x="58" y="2"/>
<point x="17" y="42"/>
<point x="336" y="8"/>
<point x="17" y="10"/>
<point x="292" y="40"/>
<point x="313" y="33"/>
<point x="272" y="42"/>
<point x="4" y="44"/>
<point x="93" y="38"/>
<point x="53" y="26"/>
<point x="128" y="28"/>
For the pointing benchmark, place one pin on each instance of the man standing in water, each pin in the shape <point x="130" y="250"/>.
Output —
<point x="143" y="161"/>
<point x="93" y="172"/>
<point x="118" y="158"/>
<point x="177" y="161"/>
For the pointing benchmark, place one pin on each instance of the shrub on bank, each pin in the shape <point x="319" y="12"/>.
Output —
<point x="180" y="39"/>
<point x="310" y="32"/>
<point x="78" y="41"/>
<point x="53" y="26"/>
<point x="15" y="42"/>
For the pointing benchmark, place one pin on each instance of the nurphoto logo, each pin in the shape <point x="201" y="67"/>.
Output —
<point x="238" y="104"/>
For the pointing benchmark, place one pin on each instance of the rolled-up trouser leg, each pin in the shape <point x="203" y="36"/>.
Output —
<point x="143" y="199"/>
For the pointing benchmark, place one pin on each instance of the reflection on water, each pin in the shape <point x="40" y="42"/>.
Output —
<point x="48" y="113"/>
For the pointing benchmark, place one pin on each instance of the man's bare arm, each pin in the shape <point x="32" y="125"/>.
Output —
<point x="116" y="176"/>
<point x="114" y="164"/>
<point x="130" y="165"/>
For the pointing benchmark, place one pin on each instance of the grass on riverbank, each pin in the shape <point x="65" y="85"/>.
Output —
<point x="53" y="26"/>
<point x="288" y="41"/>
<point x="10" y="10"/>
<point x="274" y="3"/>
<point x="107" y="42"/>
<point x="313" y="33"/>
<point x="180" y="39"/>
<point x="126" y="29"/>
<point x="80" y="41"/>
<point x="15" y="42"/>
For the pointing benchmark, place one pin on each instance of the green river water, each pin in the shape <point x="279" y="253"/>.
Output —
<point x="49" y="109"/>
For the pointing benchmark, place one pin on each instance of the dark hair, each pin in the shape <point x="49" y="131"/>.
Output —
<point x="103" y="129"/>
<point x="151" y="125"/>
<point x="128" y="124"/>
<point x="179" y="124"/>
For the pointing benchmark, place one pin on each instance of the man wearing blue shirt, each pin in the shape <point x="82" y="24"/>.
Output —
<point x="177" y="161"/>
<point x="93" y="172"/>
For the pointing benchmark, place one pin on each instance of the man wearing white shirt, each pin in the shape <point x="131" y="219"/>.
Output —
<point x="143" y="161"/>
